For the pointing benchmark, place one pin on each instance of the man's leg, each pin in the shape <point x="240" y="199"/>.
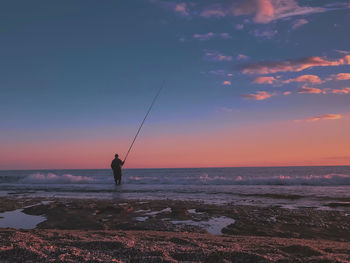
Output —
<point x="115" y="177"/>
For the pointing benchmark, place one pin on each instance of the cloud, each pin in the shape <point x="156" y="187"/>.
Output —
<point x="216" y="56"/>
<point x="242" y="57"/>
<point x="204" y="37"/>
<point x="287" y="93"/>
<point x="220" y="72"/>
<point x="300" y="22"/>
<point x="259" y="95"/>
<point x="341" y="91"/>
<point x="261" y="11"/>
<point x="325" y="117"/>
<point x="213" y="11"/>
<point x="307" y="90"/>
<point x="226" y="83"/>
<point x="292" y="65"/>
<point x="181" y="8"/>
<point x="267" y="33"/>
<point x="305" y="78"/>
<point x="343" y="51"/>
<point x="210" y="35"/>
<point x="343" y="76"/>
<point x="266" y="11"/>
<point x="264" y="80"/>
<point x="225" y="35"/>
<point x="239" y="26"/>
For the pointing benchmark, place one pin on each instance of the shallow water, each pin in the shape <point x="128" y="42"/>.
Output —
<point x="284" y="186"/>
<point x="18" y="219"/>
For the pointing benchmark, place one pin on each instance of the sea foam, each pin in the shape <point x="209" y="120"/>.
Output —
<point x="51" y="178"/>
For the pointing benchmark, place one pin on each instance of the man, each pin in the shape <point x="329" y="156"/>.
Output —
<point x="116" y="166"/>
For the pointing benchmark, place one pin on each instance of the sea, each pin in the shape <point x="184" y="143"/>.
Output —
<point x="326" y="187"/>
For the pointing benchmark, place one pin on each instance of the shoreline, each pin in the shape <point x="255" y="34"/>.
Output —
<point x="122" y="230"/>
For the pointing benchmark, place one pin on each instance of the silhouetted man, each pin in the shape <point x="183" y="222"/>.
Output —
<point x="116" y="166"/>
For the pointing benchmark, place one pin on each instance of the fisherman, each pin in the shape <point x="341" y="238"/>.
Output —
<point x="116" y="166"/>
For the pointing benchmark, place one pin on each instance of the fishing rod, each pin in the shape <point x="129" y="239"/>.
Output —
<point x="144" y="119"/>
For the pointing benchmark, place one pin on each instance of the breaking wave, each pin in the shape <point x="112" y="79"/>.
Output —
<point x="315" y="180"/>
<point x="180" y="178"/>
<point x="205" y="179"/>
<point x="51" y="178"/>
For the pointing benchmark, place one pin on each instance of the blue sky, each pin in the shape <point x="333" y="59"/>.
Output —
<point x="89" y="69"/>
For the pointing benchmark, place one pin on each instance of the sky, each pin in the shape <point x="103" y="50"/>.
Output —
<point x="247" y="83"/>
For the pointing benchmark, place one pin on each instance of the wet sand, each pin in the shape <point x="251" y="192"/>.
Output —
<point x="173" y="231"/>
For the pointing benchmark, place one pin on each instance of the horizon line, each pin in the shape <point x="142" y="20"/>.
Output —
<point x="205" y="167"/>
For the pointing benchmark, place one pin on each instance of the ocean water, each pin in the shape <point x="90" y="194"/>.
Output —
<point x="290" y="187"/>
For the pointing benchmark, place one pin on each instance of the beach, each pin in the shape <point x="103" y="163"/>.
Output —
<point x="90" y="230"/>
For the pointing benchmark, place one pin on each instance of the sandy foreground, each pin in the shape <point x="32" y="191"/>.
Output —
<point x="172" y="231"/>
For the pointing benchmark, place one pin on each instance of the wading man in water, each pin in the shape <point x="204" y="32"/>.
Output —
<point x="116" y="166"/>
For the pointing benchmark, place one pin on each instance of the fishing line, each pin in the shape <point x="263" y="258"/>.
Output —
<point x="144" y="119"/>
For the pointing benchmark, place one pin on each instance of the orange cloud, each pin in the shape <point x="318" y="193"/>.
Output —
<point x="226" y="83"/>
<point x="308" y="90"/>
<point x="341" y="91"/>
<point x="266" y="11"/>
<point x="343" y="76"/>
<point x="259" y="95"/>
<point x="263" y="80"/>
<point x="182" y="9"/>
<point x="293" y="65"/>
<point x="216" y="12"/>
<point x="325" y="117"/>
<point x="242" y="57"/>
<point x="287" y="93"/>
<point x="299" y="23"/>
<point x="305" y="78"/>
<point x="216" y="56"/>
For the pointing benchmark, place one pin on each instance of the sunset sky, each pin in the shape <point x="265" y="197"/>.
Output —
<point x="247" y="83"/>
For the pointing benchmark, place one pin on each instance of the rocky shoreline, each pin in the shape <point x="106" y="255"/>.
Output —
<point x="173" y="231"/>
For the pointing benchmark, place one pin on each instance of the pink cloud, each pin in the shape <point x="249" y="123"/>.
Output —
<point x="213" y="11"/>
<point x="267" y="33"/>
<point x="182" y="9"/>
<point x="204" y="37"/>
<point x="341" y="91"/>
<point x="287" y="93"/>
<point x="226" y="83"/>
<point x="343" y="76"/>
<point x="259" y="95"/>
<point x="264" y="80"/>
<point x="305" y="78"/>
<point x="239" y="26"/>
<point x="307" y="90"/>
<point x="242" y="57"/>
<point x="293" y="65"/>
<point x="299" y="23"/>
<point x="262" y="11"/>
<point x="325" y="117"/>
<point x="266" y="11"/>
<point x="207" y="36"/>
<point x="216" y="56"/>
<point x="225" y="35"/>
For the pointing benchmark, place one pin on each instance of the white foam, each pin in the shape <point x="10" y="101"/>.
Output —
<point x="206" y="179"/>
<point x="51" y="178"/>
